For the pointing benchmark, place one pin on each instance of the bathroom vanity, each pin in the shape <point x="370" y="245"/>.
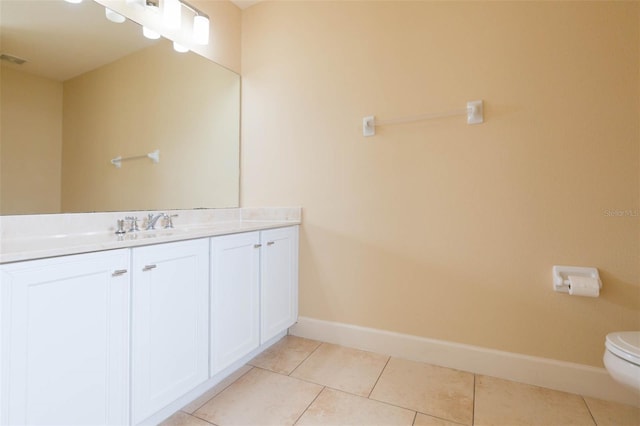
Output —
<point x="131" y="333"/>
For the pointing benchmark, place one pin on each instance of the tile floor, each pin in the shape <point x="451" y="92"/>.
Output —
<point x="304" y="382"/>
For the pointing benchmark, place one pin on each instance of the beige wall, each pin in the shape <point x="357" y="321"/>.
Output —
<point x="30" y="143"/>
<point x="441" y="229"/>
<point x="183" y="105"/>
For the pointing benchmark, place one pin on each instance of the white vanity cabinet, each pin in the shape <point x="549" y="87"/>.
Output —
<point x="170" y="323"/>
<point x="254" y="291"/>
<point x="278" y="281"/>
<point x="65" y="340"/>
<point x="129" y="336"/>
<point x="235" y="298"/>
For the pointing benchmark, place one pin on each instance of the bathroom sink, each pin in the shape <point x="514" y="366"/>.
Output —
<point x="168" y="232"/>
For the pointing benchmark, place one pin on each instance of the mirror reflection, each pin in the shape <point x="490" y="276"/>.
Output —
<point x="77" y="103"/>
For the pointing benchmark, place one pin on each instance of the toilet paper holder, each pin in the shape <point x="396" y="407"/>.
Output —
<point x="561" y="276"/>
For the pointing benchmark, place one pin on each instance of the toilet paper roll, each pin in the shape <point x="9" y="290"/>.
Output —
<point x="584" y="286"/>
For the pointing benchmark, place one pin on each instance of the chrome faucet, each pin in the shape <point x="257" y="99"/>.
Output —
<point x="168" y="220"/>
<point x="152" y="220"/>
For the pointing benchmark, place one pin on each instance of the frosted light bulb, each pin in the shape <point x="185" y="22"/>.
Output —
<point x="201" y="29"/>
<point x="114" y="16"/>
<point x="149" y="33"/>
<point x="179" y="48"/>
<point x="172" y="14"/>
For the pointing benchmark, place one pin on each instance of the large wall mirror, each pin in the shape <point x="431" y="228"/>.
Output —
<point x="91" y="91"/>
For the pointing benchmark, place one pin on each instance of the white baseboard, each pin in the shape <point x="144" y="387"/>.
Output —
<point x="560" y="375"/>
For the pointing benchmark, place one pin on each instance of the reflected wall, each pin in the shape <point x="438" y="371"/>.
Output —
<point x="182" y="105"/>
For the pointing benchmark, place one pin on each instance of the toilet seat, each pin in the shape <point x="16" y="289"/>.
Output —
<point x="625" y="345"/>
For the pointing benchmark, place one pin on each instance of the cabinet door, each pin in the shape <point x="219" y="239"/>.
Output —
<point x="65" y="340"/>
<point x="279" y="281"/>
<point x="235" y="298"/>
<point x="169" y="323"/>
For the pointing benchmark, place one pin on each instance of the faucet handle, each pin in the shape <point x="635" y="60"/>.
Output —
<point x="133" y="225"/>
<point x="120" y="230"/>
<point x="168" y="220"/>
<point x="149" y="222"/>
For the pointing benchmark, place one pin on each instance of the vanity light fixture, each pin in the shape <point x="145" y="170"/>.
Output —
<point x="200" y="30"/>
<point x="171" y="19"/>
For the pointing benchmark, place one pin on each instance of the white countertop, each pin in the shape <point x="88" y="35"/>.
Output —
<point x="19" y="248"/>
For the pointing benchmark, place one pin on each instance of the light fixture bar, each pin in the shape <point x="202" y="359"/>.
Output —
<point x="172" y="13"/>
<point x="194" y="9"/>
<point x="138" y="4"/>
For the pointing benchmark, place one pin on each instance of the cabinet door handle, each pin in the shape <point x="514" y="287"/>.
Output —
<point x="118" y="272"/>
<point x="149" y="267"/>
<point x="270" y="243"/>
<point x="257" y="245"/>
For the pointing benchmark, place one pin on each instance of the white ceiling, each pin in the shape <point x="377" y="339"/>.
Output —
<point x="60" y="40"/>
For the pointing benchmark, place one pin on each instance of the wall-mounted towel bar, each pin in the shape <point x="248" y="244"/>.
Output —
<point x="474" y="113"/>
<point x="154" y="156"/>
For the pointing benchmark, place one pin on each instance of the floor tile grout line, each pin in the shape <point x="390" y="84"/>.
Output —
<point x="224" y="389"/>
<point x="307" y="357"/>
<point x="200" y="418"/>
<point x="399" y="406"/>
<point x="271" y="371"/>
<point x="415" y="417"/>
<point x="302" y="379"/>
<point x="327" y="387"/>
<point x="379" y="375"/>
<point x="589" y="410"/>
<point x="405" y="408"/>
<point x="454" y="422"/>
<point x="473" y="405"/>
<point x="191" y="415"/>
<point x="310" y="404"/>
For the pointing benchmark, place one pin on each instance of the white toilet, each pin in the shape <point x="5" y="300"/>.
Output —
<point x="622" y="357"/>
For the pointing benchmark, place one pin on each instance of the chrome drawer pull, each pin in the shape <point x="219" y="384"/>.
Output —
<point x="270" y="243"/>
<point x="118" y="272"/>
<point x="257" y="245"/>
<point x="149" y="267"/>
